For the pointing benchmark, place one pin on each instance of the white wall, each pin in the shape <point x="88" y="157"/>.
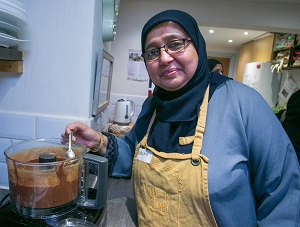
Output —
<point x="56" y="86"/>
<point x="57" y="65"/>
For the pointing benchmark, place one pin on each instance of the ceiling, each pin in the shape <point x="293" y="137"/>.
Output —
<point x="218" y="41"/>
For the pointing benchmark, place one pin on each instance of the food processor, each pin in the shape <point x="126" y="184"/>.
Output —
<point x="45" y="186"/>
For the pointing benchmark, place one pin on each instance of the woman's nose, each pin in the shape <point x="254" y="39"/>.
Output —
<point x="165" y="57"/>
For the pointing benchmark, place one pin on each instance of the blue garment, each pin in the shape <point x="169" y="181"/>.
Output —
<point x="253" y="174"/>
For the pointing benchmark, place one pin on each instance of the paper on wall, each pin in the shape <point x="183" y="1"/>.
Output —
<point x="136" y="66"/>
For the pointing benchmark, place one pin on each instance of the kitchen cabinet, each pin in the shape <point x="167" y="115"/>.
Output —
<point x="11" y="60"/>
<point x="286" y="51"/>
<point x="259" y="50"/>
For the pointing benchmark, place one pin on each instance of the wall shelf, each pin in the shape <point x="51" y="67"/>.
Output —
<point x="11" y="60"/>
<point x="286" y="51"/>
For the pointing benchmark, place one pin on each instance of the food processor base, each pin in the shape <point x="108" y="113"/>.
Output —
<point x="10" y="218"/>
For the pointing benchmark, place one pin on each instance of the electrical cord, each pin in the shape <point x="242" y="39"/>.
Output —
<point x="3" y="203"/>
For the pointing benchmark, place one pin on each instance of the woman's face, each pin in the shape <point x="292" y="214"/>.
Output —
<point x="218" y="68"/>
<point x="170" y="72"/>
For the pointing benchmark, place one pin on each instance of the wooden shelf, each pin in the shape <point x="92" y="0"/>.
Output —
<point x="290" y="45"/>
<point x="11" y="60"/>
<point x="11" y="66"/>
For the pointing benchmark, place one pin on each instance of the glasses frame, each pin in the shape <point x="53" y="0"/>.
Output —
<point x="186" y="43"/>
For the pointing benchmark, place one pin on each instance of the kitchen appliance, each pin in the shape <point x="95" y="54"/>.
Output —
<point x="46" y="188"/>
<point x="124" y="110"/>
<point x="259" y="76"/>
<point x="75" y="222"/>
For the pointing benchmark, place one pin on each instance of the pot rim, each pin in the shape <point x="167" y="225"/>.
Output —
<point x="49" y="141"/>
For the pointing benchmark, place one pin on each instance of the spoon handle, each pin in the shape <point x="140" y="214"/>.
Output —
<point x="70" y="139"/>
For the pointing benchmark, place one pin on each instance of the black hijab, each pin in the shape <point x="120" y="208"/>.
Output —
<point x="212" y="63"/>
<point x="177" y="111"/>
<point x="291" y="122"/>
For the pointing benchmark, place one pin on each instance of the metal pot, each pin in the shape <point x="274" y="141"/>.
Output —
<point x="41" y="188"/>
<point x="124" y="110"/>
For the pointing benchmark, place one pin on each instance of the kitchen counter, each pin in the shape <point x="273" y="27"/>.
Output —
<point x="121" y="209"/>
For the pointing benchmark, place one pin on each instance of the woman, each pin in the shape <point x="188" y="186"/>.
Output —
<point x="215" y="66"/>
<point x="243" y="173"/>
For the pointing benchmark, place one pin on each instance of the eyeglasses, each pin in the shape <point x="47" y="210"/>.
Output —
<point x="173" y="47"/>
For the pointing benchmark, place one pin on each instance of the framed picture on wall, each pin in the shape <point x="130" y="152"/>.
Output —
<point x="103" y="77"/>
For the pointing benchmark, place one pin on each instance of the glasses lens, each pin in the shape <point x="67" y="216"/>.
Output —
<point x="152" y="54"/>
<point x="176" y="46"/>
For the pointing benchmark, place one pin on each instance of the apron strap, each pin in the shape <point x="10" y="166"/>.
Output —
<point x="186" y="140"/>
<point x="151" y="121"/>
<point x="198" y="137"/>
<point x="145" y="138"/>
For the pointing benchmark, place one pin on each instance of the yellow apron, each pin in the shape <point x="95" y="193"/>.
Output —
<point x="171" y="189"/>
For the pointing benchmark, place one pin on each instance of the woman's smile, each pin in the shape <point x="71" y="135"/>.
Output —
<point x="170" y="72"/>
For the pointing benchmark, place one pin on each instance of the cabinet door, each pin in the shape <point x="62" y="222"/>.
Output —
<point x="246" y="55"/>
<point x="262" y="49"/>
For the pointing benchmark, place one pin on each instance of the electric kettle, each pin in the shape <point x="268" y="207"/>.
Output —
<point x="124" y="110"/>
